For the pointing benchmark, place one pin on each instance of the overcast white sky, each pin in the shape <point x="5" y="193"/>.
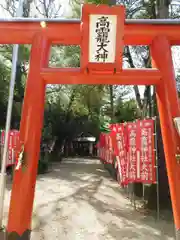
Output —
<point x="65" y="10"/>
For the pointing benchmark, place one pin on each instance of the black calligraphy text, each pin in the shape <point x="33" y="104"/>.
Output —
<point x="102" y="31"/>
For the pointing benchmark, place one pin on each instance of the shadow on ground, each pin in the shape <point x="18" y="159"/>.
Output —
<point x="91" y="184"/>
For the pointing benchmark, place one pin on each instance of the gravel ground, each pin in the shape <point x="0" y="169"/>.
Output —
<point x="78" y="200"/>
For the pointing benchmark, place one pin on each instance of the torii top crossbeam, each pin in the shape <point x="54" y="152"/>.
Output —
<point x="69" y="32"/>
<point x="136" y="31"/>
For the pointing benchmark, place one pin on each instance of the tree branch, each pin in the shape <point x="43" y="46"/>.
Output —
<point x="7" y="9"/>
<point x="136" y="89"/>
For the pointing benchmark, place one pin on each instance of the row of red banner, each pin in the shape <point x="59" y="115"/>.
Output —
<point x="132" y="146"/>
<point x="13" y="139"/>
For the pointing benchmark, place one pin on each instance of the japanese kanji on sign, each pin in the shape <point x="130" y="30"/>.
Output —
<point x="102" y="40"/>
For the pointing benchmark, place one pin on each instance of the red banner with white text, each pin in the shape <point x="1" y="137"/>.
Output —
<point x="145" y="151"/>
<point x="121" y="152"/>
<point x="132" y="163"/>
<point x="132" y="145"/>
<point x="13" y="138"/>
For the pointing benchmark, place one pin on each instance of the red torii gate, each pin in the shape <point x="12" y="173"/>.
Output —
<point x="42" y="34"/>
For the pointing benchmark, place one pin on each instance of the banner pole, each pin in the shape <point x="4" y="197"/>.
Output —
<point x="157" y="168"/>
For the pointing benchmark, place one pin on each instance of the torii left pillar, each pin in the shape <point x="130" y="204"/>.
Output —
<point x="20" y="211"/>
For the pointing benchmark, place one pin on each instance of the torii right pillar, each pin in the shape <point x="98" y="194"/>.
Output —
<point x="168" y="105"/>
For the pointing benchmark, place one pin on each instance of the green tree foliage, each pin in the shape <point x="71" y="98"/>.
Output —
<point x="126" y="111"/>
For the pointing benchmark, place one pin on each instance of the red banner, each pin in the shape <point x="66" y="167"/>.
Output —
<point x="132" y="164"/>
<point x="111" y="143"/>
<point x="121" y="154"/>
<point x="10" y="140"/>
<point x="141" y="158"/>
<point x="101" y="145"/>
<point x="108" y="148"/>
<point x="145" y="152"/>
<point x="16" y="138"/>
<point x="132" y="145"/>
<point x="13" y="138"/>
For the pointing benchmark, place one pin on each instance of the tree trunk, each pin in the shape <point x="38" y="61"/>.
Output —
<point x="111" y="102"/>
<point x="112" y="2"/>
<point x="163" y="8"/>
